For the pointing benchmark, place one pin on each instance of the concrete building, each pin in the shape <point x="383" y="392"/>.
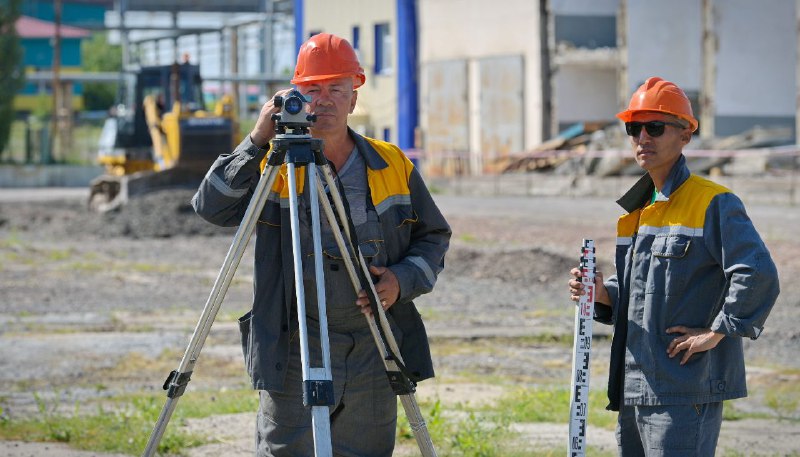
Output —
<point x="470" y="82"/>
<point x="384" y="33"/>
<point x="754" y="62"/>
<point x="502" y="80"/>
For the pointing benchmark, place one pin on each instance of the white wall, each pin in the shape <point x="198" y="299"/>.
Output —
<point x="665" y="39"/>
<point x="378" y="96"/>
<point x="586" y="94"/>
<point x="472" y="29"/>
<point x="756" y="57"/>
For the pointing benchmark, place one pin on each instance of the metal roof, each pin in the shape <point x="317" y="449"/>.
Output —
<point x="28" y="27"/>
<point x="230" y="6"/>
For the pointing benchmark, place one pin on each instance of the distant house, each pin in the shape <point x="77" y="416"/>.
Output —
<point x="37" y="31"/>
<point x="37" y="43"/>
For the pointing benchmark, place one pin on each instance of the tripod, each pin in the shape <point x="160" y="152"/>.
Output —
<point x="293" y="150"/>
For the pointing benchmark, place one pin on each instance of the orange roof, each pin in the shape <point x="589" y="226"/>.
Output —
<point x="29" y="27"/>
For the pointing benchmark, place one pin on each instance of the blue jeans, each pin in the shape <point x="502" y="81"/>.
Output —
<point x="363" y="418"/>
<point x="669" y="431"/>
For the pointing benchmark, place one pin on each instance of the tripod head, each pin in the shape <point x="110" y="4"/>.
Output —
<point x="293" y="142"/>
<point x="293" y="115"/>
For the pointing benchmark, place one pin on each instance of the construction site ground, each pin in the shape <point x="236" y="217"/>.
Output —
<point x="93" y="306"/>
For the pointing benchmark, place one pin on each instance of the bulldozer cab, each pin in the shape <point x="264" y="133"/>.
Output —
<point x="172" y="83"/>
<point x="163" y="137"/>
<point x="125" y="143"/>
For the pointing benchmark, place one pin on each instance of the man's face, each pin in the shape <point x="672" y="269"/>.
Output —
<point x="331" y="101"/>
<point x="659" y="153"/>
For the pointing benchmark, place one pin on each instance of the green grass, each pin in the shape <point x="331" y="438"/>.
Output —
<point x="784" y="401"/>
<point x="485" y="431"/>
<point x="470" y="434"/>
<point x="468" y="238"/>
<point x="551" y="404"/>
<point x="125" y="427"/>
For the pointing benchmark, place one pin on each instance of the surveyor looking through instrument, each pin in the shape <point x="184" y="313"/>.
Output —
<point x="402" y="234"/>
<point x="693" y="278"/>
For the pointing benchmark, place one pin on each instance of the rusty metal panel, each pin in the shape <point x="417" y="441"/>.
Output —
<point x="446" y="106"/>
<point x="445" y="116"/>
<point x="501" y="109"/>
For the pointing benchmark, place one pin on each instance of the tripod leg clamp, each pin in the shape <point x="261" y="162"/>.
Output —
<point x="318" y="393"/>
<point x="400" y="383"/>
<point x="176" y="383"/>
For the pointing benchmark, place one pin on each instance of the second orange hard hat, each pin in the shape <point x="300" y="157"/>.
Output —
<point x="661" y="96"/>
<point x="325" y="56"/>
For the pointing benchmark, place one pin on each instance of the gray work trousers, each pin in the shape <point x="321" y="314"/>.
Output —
<point x="363" y="419"/>
<point x="669" y="431"/>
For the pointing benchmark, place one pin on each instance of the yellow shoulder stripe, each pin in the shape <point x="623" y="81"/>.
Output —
<point x="391" y="181"/>
<point x="685" y="211"/>
<point x="686" y="206"/>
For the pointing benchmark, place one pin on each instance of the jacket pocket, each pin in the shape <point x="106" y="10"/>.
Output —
<point x="668" y="264"/>
<point x="671" y="246"/>
<point x="370" y="239"/>
<point x="397" y="223"/>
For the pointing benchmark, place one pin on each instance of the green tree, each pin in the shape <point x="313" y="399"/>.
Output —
<point x="98" y="55"/>
<point x="11" y="74"/>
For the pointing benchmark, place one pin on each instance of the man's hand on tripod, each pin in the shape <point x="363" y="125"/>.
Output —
<point x="387" y="287"/>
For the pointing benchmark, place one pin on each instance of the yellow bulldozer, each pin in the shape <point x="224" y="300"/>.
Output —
<point x="163" y="137"/>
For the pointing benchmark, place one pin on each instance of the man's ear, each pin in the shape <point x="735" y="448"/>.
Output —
<point x="353" y="100"/>
<point x="686" y="136"/>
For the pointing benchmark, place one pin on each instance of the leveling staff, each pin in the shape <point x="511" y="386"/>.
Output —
<point x="401" y="231"/>
<point x="693" y="279"/>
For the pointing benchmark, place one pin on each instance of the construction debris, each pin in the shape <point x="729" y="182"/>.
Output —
<point x="602" y="149"/>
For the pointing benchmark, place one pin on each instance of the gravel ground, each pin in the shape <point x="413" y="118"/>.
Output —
<point x="87" y="294"/>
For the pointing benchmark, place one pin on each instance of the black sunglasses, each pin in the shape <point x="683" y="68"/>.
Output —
<point x="653" y="128"/>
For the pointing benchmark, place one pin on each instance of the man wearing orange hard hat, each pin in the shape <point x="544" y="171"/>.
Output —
<point x="402" y="234"/>
<point x="693" y="278"/>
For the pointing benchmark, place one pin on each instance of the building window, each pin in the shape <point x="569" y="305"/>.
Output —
<point x="387" y="134"/>
<point x="356" y="37"/>
<point x="383" y="50"/>
<point x="589" y="32"/>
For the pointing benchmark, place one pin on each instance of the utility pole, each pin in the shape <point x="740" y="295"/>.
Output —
<point x="797" y="77"/>
<point x="175" y="51"/>
<point x="267" y="66"/>
<point x="235" y="67"/>
<point x="622" y="55"/>
<point x="707" y="97"/>
<point x="545" y="27"/>
<point x="55" y="145"/>
<point x="122" y="6"/>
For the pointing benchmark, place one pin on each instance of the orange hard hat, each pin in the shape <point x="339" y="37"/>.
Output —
<point x="658" y="95"/>
<point x="325" y="56"/>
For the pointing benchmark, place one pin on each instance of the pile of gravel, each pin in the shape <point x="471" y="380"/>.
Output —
<point x="518" y="266"/>
<point x="161" y="214"/>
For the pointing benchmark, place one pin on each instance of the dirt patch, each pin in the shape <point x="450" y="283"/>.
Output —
<point x="162" y="214"/>
<point x="84" y="294"/>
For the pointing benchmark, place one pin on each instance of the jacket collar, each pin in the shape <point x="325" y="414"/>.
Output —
<point x="371" y="157"/>
<point x="639" y="195"/>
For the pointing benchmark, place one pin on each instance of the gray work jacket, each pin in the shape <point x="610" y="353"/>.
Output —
<point x="415" y="238"/>
<point x="691" y="258"/>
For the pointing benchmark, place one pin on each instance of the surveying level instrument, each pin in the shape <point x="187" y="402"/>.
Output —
<point x="579" y="393"/>
<point x="298" y="148"/>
